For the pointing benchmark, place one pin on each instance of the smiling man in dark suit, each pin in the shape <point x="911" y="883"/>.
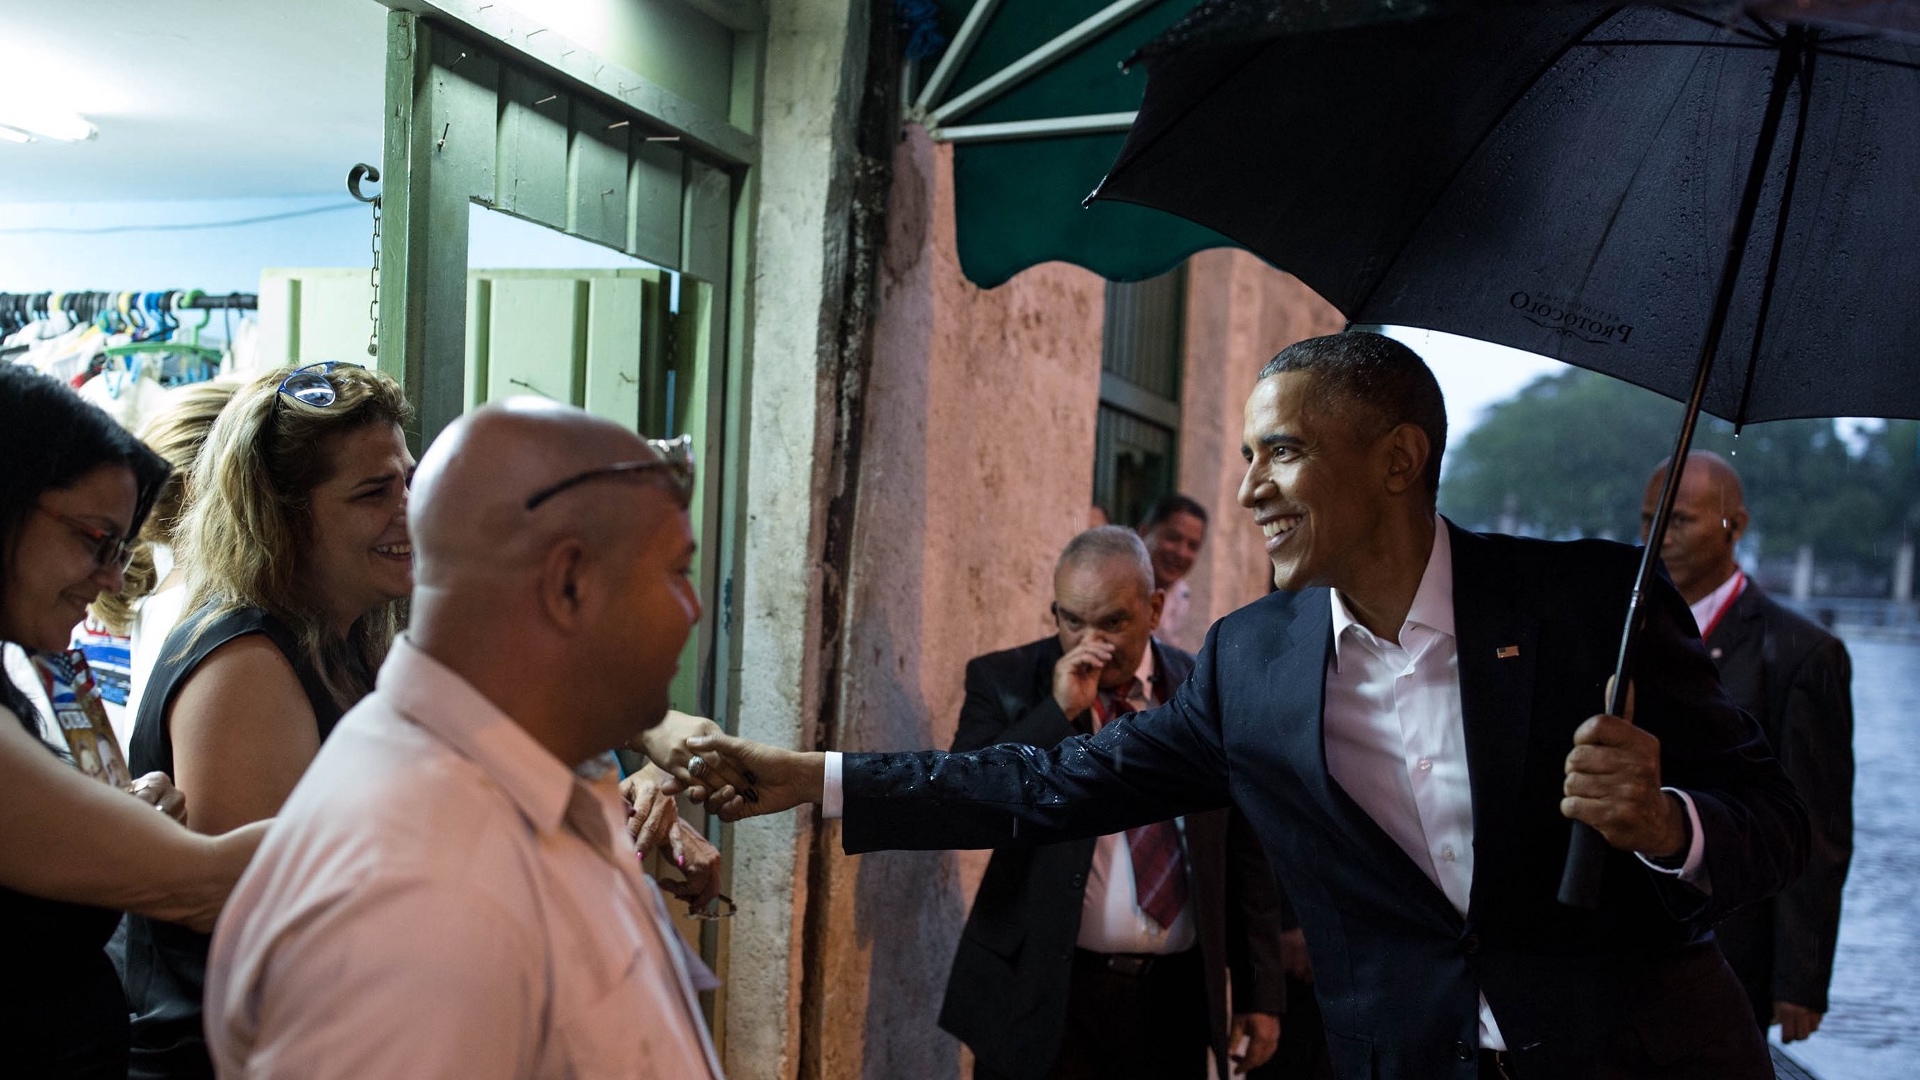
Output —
<point x="1408" y="723"/>
<point x="1109" y="958"/>
<point x="1795" y="679"/>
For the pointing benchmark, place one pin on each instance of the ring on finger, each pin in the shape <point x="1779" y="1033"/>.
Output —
<point x="696" y="765"/>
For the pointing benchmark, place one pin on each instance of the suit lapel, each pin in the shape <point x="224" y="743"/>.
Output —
<point x="1172" y="670"/>
<point x="1497" y="653"/>
<point x="1297" y="675"/>
<point x="1740" y="626"/>
<point x="1739" y="652"/>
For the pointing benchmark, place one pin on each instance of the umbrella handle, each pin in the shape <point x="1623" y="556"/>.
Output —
<point x="1587" y="849"/>
<point x="1586" y="857"/>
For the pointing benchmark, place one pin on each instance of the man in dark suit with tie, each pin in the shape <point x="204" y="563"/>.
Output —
<point x="1408" y="723"/>
<point x="1795" y="679"/>
<point x="1109" y="958"/>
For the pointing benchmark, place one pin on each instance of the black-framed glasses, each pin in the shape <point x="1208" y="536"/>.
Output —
<point x="109" y="548"/>
<point x="310" y="386"/>
<point x="676" y="457"/>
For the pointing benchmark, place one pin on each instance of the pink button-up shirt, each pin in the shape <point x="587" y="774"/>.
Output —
<point x="442" y="897"/>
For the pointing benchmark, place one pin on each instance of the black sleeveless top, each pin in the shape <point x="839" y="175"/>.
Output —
<point x="66" y="1017"/>
<point x="166" y="964"/>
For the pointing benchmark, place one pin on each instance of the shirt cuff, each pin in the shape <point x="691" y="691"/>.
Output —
<point x="833" y="801"/>
<point x="1689" y="869"/>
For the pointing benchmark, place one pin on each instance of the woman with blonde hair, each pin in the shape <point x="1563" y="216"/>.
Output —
<point x="151" y="602"/>
<point x="297" y="562"/>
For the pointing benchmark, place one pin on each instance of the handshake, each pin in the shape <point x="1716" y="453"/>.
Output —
<point x="736" y="778"/>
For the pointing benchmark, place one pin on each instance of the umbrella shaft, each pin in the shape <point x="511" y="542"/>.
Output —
<point x="1792" y="49"/>
<point x="1580" y="881"/>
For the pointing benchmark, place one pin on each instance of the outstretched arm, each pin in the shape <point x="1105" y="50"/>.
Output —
<point x="1146" y="767"/>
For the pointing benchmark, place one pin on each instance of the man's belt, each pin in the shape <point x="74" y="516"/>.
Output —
<point x="1132" y="965"/>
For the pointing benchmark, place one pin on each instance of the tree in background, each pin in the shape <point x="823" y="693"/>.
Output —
<point x="1570" y="456"/>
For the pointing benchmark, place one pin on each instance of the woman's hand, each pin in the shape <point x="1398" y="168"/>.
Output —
<point x="651" y="812"/>
<point x="156" y="790"/>
<point x="698" y="860"/>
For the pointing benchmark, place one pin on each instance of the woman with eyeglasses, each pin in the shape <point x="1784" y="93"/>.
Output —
<point x="297" y="562"/>
<point x="75" y="853"/>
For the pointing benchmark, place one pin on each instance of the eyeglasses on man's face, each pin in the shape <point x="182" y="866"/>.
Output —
<point x="110" y="549"/>
<point x="676" y="458"/>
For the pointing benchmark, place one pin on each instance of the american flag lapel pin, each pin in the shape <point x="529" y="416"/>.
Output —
<point x="1506" y="652"/>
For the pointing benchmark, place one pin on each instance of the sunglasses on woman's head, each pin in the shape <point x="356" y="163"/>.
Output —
<point x="310" y="386"/>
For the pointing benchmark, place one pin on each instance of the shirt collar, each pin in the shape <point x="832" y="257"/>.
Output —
<point x="1144" y="673"/>
<point x="430" y="694"/>
<point x="1432" y="601"/>
<point x="1710" y="604"/>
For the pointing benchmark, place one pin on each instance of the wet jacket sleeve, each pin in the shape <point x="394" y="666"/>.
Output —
<point x="1142" y="768"/>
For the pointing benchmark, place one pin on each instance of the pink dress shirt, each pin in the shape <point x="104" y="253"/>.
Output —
<point x="442" y="897"/>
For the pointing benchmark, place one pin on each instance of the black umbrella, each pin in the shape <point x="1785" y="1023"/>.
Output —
<point x="1718" y="202"/>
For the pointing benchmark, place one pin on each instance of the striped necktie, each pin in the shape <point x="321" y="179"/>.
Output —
<point x="1159" y="868"/>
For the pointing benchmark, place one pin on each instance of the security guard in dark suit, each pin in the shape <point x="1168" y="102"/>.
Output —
<point x="1795" y="679"/>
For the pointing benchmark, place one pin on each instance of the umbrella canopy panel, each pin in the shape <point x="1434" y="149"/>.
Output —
<point x="1563" y="179"/>
<point x="1018" y="186"/>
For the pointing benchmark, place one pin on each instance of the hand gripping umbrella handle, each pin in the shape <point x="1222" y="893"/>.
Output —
<point x="1587" y="850"/>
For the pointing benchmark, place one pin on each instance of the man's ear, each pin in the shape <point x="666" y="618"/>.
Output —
<point x="1406" y="452"/>
<point x="1158" y="603"/>
<point x="1737" y="525"/>
<point x="560" y="584"/>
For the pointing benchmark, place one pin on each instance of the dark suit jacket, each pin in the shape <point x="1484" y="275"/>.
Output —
<point x="1007" y="995"/>
<point x="1634" y="987"/>
<point x="1794" y="678"/>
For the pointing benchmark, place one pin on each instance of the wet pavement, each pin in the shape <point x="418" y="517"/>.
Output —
<point x="1873" y="1029"/>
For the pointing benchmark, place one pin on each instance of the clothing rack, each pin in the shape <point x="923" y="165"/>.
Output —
<point x="87" y="305"/>
<point x="142" y="317"/>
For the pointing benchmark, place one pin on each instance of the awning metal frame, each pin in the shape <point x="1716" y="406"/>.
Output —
<point x="936" y="115"/>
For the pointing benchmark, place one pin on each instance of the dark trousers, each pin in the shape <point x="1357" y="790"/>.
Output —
<point x="1150" y="1025"/>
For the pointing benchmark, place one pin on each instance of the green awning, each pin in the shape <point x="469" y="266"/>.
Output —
<point x="1037" y="108"/>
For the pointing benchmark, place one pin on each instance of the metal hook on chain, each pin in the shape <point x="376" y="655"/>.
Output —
<point x="355" y="175"/>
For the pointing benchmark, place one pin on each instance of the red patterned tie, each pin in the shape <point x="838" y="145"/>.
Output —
<point x="1159" y="869"/>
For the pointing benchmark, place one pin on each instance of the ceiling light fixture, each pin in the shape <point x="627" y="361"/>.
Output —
<point x="44" y="123"/>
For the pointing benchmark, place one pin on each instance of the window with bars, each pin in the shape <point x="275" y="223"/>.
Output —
<point x="1137" y="431"/>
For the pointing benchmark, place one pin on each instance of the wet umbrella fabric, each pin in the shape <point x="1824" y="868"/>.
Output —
<point x="1723" y="208"/>
<point x="1564" y="179"/>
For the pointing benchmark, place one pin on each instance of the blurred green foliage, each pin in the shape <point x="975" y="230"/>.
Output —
<point x="1570" y="455"/>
